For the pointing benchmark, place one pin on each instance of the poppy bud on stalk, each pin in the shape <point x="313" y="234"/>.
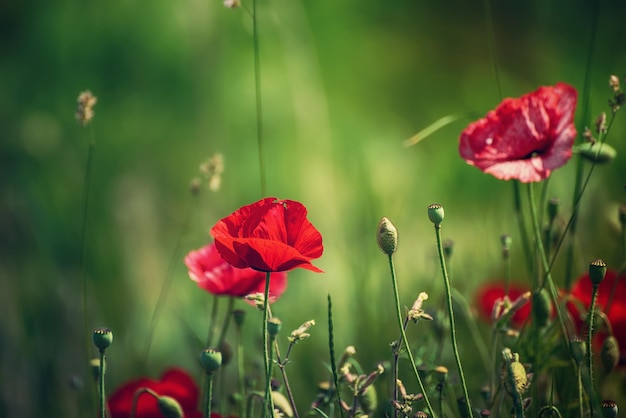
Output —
<point x="169" y="407"/>
<point x="597" y="271"/>
<point x="578" y="348"/>
<point x="609" y="353"/>
<point x="273" y="327"/>
<point x="387" y="236"/>
<point x="597" y="152"/>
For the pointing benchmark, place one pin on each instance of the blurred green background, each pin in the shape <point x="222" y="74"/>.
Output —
<point x="343" y="84"/>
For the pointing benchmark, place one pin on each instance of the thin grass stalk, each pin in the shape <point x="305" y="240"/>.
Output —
<point x="167" y="284"/>
<point x="584" y="116"/>
<point x="257" y="89"/>
<point x="404" y="339"/>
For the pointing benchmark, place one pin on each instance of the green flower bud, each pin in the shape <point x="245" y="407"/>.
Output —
<point x="211" y="360"/>
<point x="169" y="407"/>
<point x="596" y="152"/>
<point x="239" y="315"/>
<point x="542" y="308"/>
<point x="102" y="338"/>
<point x="578" y="348"/>
<point x="448" y="247"/>
<point x="609" y="353"/>
<point x="597" y="271"/>
<point x="436" y="214"/>
<point x="273" y="327"/>
<point x="387" y="236"/>
<point x="94" y="366"/>
<point x="609" y="408"/>
<point x="553" y="208"/>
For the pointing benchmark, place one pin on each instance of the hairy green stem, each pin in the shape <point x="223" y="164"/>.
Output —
<point x="592" y="309"/>
<point x="331" y="349"/>
<point x="455" y="347"/>
<point x="269" y="411"/>
<point x="404" y="339"/>
<point x="517" y="203"/>
<point x="101" y="388"/>
<point x="208" y="398"/>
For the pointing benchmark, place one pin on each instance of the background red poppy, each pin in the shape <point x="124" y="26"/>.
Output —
<point x="174" y="382"/>
<point x="269" y="235"/>
<point x="524" y="138"/>
<point x="490" y="292"/>
<point x="213" y="274"/>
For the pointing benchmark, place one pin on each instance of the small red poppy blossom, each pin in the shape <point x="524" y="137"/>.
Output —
<point x="616" y="313"/>
<point x="174" y="382"/>
<point x="269" y="235"/>
<point x="493" y="292"/>
<point x="212" y="273"/>
<point x="524" y="138"/>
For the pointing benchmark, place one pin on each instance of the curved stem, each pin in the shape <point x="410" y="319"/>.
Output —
<point x="404" y="339"/>
<point x="229" y="312"/>
<point x="517" y="201"/>
<point x="212" y="318"/>
<point x="455" y="348"/>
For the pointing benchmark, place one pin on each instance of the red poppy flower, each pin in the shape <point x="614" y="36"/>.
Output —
<point x="492" y="292"/>
<point x="174" y="382"/>
<point x="582" y="291"/>
<point x="524" y="138"/>
<point x="212" y="273"/>
<point x="269" y="235"/>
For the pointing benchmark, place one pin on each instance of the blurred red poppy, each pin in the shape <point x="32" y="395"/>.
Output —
<point x="616" y="312"/>
<point x="269" y="235"/>
<point x="524" y="138"/>
<point x="175" y="383"/>
<point x="492" y="292"/>
<point x="213" y="274"/>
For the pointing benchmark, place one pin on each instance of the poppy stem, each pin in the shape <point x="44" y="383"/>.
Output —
<point x="209" y="395"/>
<point x="229" y="312"/>
<point x="136" y="395"/>
<point x="517" y="203"/>
<point x="404" y="339"/>
<point x="331" y="348"/>
<point x="266" y="349"/>
<point x="455" y="348"/>
<point x="101" y="385"/>
<point x="592" y="308"/>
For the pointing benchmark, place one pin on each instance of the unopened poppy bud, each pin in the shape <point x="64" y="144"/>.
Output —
<point x="211" y="360"/>
<point x="102" y="338"/>
<point x="441" y="373"/>
<point x="169" y="407"/>
<point x="436" y="213"/>
<point x="448" y="247"/>
<point x="609" y="353"/>
<point x="387" y="236"/>
<point x="597" y="152"/>
<point x="300" y="333"/>
<point x="239" y="315"/>
<point x="542" y="307"/>
<point x="609" y="408"/>
<point x="553" y="208"/>
<point x="597" y="271"/>
<point x="273" y="327"/>
<point x="578" y="348"/>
